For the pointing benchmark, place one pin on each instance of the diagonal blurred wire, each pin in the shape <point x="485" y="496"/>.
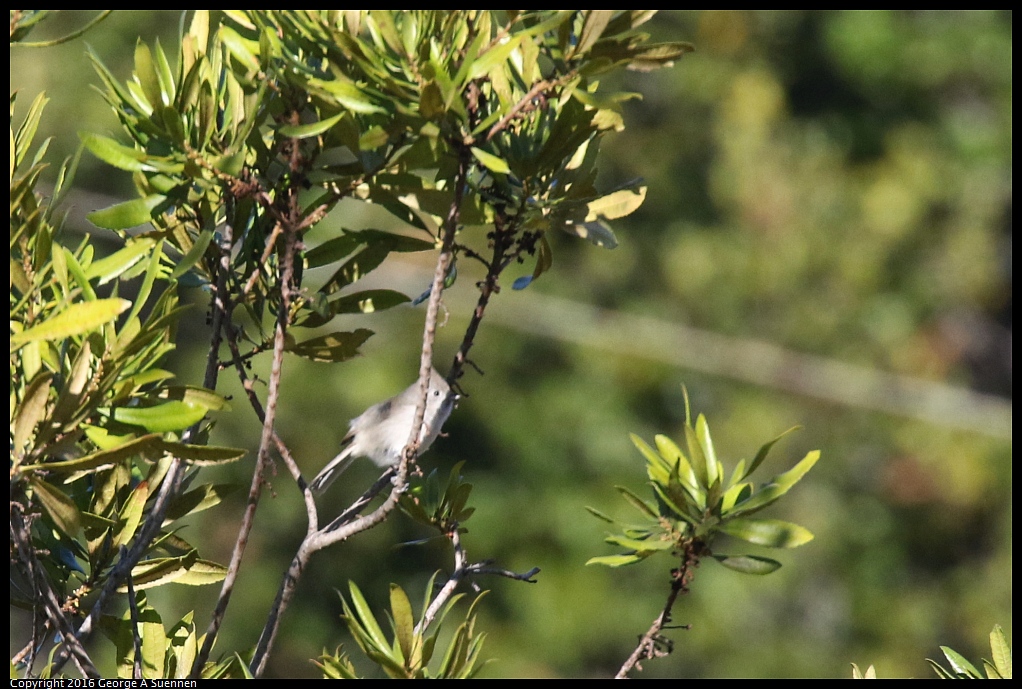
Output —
<point x="757" y="362"/>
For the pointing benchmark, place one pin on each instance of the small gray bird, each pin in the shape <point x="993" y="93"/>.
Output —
<point x="381" y="431"/>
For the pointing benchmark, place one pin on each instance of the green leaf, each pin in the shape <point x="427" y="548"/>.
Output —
<point x="162" y="418"/>
<point x="337" y="346"/>
<point x="493" y="57"/>
<point x="491" y="162"/>
<point x="113" y="153"/>
<point x="198" y="500"/>
<point x="1000" y="651"/>
<point x="195" y="253"/>
<point x="131" y="515"/>
<point x="365" y="616"/>
<point x="597" y="233"/>
<point x="772" y="533"/>
<point x="109" y="268"/>
<point x="748" y="564"/>
<point x="126" y="158"/>
<point x="595" y="23"/>
<point x="202" y="573"/>
<point x="780" y="485"/>
<point x="599" y="515"/>
<point x="59" y="506"/>
<point x="333" y="250"/>
<point x="404" y="621"/>
<point x="145" y="72"/>
<point x="657" y="55"/>
<point x="616" y="560"/>
<point x="637" y="502"/>
<point x="763" y="451"/>
<point x="76" y="319"/>
<point x="187" y="569"/>
<point x="640" y="546"/>
<point x="123" y="216"/>
<point x="959" y="664"/>
<point x="670" y="451"/>
<point x="368" y="301"/>
<point x="31" y="410"/>
<point x="147" y="445"/>
<point x="201" y="455"/>
<point x="304" y="131"/>
<point x="373" y="138"/>
<point x="196" y="395"/>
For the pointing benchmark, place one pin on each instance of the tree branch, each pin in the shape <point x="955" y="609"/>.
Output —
<point x="652" y="644"/>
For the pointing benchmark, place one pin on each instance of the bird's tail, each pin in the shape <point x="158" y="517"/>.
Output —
<point x="332" y="470"/>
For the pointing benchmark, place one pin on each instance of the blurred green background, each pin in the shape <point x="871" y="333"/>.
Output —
<point x="826" y="242"/>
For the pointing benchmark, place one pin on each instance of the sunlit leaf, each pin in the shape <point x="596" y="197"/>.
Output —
<point x="491" y="162"/>
<point x="748" y="564"/>
<point x="161" y="418"/>
<point x="109" y="268"/>
<point x="615" y="560"/>
<point x="123" y="216"/>
<point x="772" y="533"/>
<point x="1000" y="652"/>
<point x="76" y="319"/>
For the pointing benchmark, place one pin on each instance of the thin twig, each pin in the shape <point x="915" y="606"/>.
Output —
<point x="648" y="646"/>
<point x="58" y="618"/>
<point x="334" y="533"/>
<point x="221" y="312"/>
<point x="136" y="639"/>
<point x="463" y="570"/>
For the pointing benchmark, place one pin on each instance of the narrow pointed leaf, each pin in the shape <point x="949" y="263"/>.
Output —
<point x="337" y="346"/>
<point x="616" y="560"/>
<point x="131" y="515"/>
<point x="58" y="505"/>
<point x="162" y="418"/>
<point x="74" y="320"/>
<point x="748" y="564"/>
<point x="491" y="162"/>
<point x="365" y="616"/>
<point x="404" y="621"/>
<point x="126" y="215"/>
<point x="764" y="451"/>
<point x="959" y="664"/>
<point x="616" y="205"/>
<point x="772" y="533"/>
<point x="304" y="131"/>
<point x="1000" y="652"/>
<point x="111" y="267"/>
<point x="780" y="485"/>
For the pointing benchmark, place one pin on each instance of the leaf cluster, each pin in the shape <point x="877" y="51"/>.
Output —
<point x="408" y="654"/>
<point x="95" y="421"/>
<point x="241" y="147"/>
<point x="998" y="668"/>
<point x="694" y="500"/>
<point x="270" y="118"/>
